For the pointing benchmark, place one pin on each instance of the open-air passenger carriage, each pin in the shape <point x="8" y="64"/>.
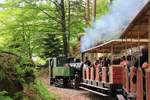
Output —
<point x="119" y="80"/>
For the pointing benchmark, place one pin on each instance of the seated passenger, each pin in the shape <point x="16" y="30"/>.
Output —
<point x="87" y="62"/>
<point x="130" y="62"/>
<point x="116" y="61"/>
<point x="142" y="62"/>
<point x="124" y="62"/>
<point x="104" y="62"/>
<point x="100" y="60"/>
<point x="96" y="62"/>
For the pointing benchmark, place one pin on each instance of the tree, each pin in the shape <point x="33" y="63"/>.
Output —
<point x="63" y="27"/>
<point x="70" y="14"/>
<point x="52" y="40"/>
<point x="35" y="20"/>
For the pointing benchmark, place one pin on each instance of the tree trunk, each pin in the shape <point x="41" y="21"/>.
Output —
<point x="149" y="38"/>
<point x="29" y="48"/>
<point x="68" y="27"/>
<point x="63" y="25"/>
<point x="94" y="12"/>
<point x="87" y="12"/>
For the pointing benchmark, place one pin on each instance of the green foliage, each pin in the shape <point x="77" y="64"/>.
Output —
<point x="102" y="7"/>
<point x="52" y="45"/>
<point x="3" y="96"/>
<point x="18" y="96"/>
<point x="42" y="90"/>
<point x="25" y="74"/>
<point x="77" y="23"/>
<point x="29" y="75"/>
<point x="32" y="29"/>
<point x="2" y="75"/>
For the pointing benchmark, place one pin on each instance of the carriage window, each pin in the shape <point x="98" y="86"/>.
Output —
<point x="61" y="61"/>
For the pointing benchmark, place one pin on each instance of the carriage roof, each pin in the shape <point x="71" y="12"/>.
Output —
<point x="119" y="44"/>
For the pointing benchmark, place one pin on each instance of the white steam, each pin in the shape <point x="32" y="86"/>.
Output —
<point x="111" y="25"/>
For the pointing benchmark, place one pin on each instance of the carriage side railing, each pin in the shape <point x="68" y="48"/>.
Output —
<point x="140" y="89"/>
<point x="121" y="75"/>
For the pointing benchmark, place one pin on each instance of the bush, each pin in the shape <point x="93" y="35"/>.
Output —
<point x="15" y="75"/>
<point x="29" y="75"/>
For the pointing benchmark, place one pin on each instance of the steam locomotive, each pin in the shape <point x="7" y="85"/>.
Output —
<point x="65" y="72"/>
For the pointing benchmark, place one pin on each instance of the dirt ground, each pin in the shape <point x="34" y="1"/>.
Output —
<point x="72" y="94"/>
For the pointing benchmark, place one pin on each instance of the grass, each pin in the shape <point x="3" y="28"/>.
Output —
<point x="43" y="91"/>
<point x="38" y="90"/>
